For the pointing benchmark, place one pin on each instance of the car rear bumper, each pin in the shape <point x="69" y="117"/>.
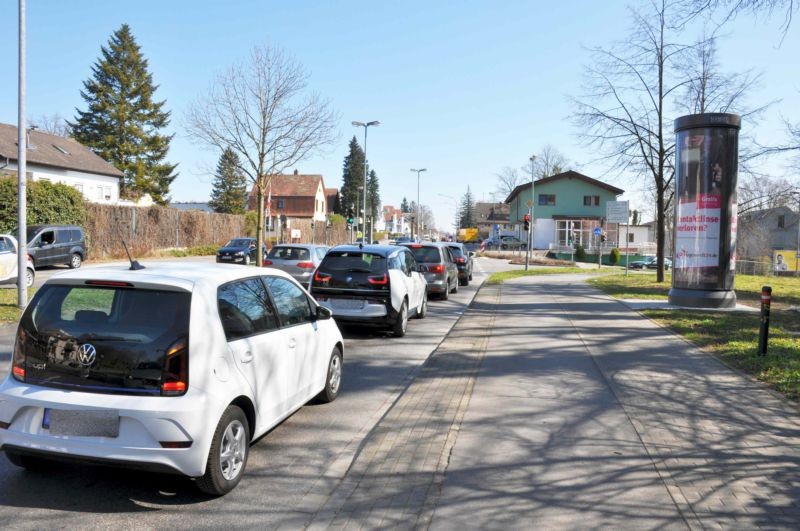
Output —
<point x="144" y="424"/>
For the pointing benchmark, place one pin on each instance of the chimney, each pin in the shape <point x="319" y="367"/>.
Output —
<point x="28" y="143"/>
<point x="296" y="172"/>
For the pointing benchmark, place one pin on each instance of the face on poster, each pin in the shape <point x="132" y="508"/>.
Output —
<point x="706" y="168"/>
<point x="784" y="261"/>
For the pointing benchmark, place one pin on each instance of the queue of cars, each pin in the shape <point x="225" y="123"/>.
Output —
<point x="177" y="367"/>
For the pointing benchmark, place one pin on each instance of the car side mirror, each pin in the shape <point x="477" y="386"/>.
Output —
<point x="323" y="313"/>
<point x="471" y="254"/>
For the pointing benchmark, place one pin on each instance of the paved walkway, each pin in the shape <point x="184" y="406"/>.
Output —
<point x="553" y="406"/>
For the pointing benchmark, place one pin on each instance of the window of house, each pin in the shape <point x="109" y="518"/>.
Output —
<point x="78" y="187"/>
<point x="591" y="200"/>
<point x="281" y="203"/>
<point x="630" y="237"/>
<point x="547" y="200"/>
<point x="781" y="222"/>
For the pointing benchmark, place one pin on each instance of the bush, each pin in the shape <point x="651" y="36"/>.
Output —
<point x="615" y="256"/>
<point x="580" y="253"/>
<point x="48" y="203"/>
<point x="200" y="250"/>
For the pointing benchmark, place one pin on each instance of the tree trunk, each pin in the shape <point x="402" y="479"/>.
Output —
<point x="660" y="235"/>
<point x="260" y="224"/>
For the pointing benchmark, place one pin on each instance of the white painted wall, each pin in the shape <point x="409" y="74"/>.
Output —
<point x="95" y="188"/>
<point x="544" y="233"/>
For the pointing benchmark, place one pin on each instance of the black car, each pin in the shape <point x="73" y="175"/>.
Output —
<point x="56" y="245"/>
<point x="463" y="261"/>
<point x="239" y="251"/>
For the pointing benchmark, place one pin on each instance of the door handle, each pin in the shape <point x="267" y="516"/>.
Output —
<point x="247" y="357"/>
<point x="292" y="343"/>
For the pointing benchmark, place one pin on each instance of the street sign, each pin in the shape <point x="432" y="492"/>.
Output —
<point x="530" y="203"/>
<point x="598" y="231"/>
<point x="617" y="212"/>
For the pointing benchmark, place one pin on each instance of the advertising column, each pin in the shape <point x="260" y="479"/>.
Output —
<point x="706" y="160"/>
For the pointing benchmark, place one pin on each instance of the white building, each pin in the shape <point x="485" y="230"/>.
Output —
<point x="61" y="160"/>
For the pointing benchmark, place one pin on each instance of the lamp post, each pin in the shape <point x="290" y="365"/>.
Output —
<point x="530" y="215"/>
<point x="418" y="210"/>
<point x="365" y="126"/>
<point x="22" y="146"/>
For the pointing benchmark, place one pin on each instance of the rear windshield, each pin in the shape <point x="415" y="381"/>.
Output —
<point x="130" y="329"/>
<point x="456" y="250"/>
<point x="289" y="253"/>
<point x="426" y="254"/>
<point x="239" y="242"/>
<point x="354" y="262"/>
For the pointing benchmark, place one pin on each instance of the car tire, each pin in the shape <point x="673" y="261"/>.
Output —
<point x="333" y="378"/>
<point x="28" y="462"/>
<point x="30" y="276"/>
<point x="401" y="323"/>
<point x="455" y="286"/>
<point x="75" y="261"/>
<point x="232" y="436"/>
<point x="462" y="281"/>
<point x="470" y="275"/>
<point x="445" y="294"/>
<point x="422" y="311"/>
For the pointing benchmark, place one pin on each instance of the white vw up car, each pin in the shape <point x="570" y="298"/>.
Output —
<point x="175" y="367"/>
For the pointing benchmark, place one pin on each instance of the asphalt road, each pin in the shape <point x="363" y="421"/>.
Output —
<point x="285" y="468"/>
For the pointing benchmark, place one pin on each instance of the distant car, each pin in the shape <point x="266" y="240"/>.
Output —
<point x="377" y="285"/>
<point x="9" y="261"/>
<point x="175" y="367"/>
<point x="512" y="242"/>
<point x="463" y="259"/>
<point x="649" y="262"/>
<point x="437" y="263"/>
<point x="56" y="245"/>
<point x="239" y="251"/>
<point x="300" y="261"/>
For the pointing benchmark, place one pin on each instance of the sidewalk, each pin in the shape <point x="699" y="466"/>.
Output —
<point x="551" y="405"/>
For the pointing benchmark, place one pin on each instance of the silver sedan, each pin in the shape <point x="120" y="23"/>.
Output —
<point x="299" y="260"/>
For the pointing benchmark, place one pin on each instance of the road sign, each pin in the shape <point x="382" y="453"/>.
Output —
<point x="617" y="211"/>
<point x="597" y="231"/>
<point x="530" y="203"/>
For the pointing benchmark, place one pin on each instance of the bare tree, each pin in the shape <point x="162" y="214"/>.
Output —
<point x="507" y="180"/>
<point x="624" y="112"/>
<point x="549" y="161"/>
<point x="763" y="192"/>
<point x="55" y="124"/>
<point x="262" y="110"/>
<point x="731" y="8"/>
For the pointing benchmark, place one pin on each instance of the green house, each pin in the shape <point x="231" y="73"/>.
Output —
<point x="567" y="207"/>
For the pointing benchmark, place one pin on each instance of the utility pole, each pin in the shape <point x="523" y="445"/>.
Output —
<point x="529" y="236"/>
<point x="22" y="171"/>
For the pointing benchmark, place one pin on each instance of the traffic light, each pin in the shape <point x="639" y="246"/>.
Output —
<point x="349" y="216"/>
<point x="603" y="237"/>
<point x="527" y="225"/>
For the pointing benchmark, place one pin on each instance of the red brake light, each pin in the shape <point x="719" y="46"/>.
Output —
<point x="267" y="262"/>
<point x="438" y="268"/>
<point x="379" y="280"/>
<point x="111" y="283"/>
<point x="322" y="278"/>
<point x="19" y="373"/>
<point x="173" y="387"/>
<point x="305" y="265"/>
<point x="461" y="260"/>
<point x="416" y="246"/>
<point x="18" y="360"/>
<point x="176" y="369"/>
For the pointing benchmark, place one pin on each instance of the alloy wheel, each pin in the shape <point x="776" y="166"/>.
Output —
<point x="233" y="450"/>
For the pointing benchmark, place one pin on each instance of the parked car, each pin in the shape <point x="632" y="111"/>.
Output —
<point x="56" y="245"/>
<point x="376" y="285"/>
<point x="512" y="242"/>
<point x="9" y="262"/>
<point x="239" y="251"/>
<point x="649" y="262"/>
<point x="175" y="367"/>
<point x="463" y="259"/>
<point x="300" y="261"/>
<point x="437" y="263"/>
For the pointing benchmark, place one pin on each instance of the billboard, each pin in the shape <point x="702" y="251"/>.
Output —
<point x="705" y="206"/>
<point x="785" y="261"/>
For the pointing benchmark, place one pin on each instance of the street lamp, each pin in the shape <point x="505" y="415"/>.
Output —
<point x="530" y="215"/>
<point x="365" y="126"/>
<point x="418" y="172"/>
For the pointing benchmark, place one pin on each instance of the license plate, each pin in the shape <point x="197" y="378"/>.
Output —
<point x="226" y="257"/>
<point x="347" y="304"/>
<point x="81" y="422"/>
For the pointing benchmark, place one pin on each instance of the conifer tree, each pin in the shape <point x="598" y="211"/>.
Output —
<point x="404" y="206"/>
<point x="122" y="121"/>
<point x="373" y="195"/>
<point x="352" y="177"/>
<point x="467" y="209"/>
<point x="229" y="189"/>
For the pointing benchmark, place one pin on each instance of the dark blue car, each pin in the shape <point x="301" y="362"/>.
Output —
<point x="239" y="251"/>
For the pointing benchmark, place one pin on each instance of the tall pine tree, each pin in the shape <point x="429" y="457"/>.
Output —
<point x="373" y="195"/>
<point x="229" y="189"/>
<point x="404" y="208"/>
<point x="123" y="121"/>
<point x="467" y="210"/>
<point x="352" y="177"/>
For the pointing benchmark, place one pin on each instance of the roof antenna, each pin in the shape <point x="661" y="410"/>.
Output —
<point x="135" y="266"/>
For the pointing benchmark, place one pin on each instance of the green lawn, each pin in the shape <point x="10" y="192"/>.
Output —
<point x="502" y="276"/>
<point x="8" y="304"/>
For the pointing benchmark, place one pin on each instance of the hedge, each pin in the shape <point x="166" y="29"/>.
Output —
<point x="48" y="203"/>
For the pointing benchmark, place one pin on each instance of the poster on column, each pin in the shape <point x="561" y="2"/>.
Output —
<point x="705" y="203"/>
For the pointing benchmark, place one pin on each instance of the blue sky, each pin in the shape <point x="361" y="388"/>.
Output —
<point x="461" y="88"/>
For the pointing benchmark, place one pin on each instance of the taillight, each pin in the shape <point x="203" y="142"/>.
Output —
<point x="322" y="278"/>
<point x="18" y="361"/>
<point x="461" y="260"/>
<point x="438" y="268"/>
<point x="379" y="280"/>
<point x="305" y="265"/>
<point x="174" y="381"/>
<point x="267" y="262"/>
